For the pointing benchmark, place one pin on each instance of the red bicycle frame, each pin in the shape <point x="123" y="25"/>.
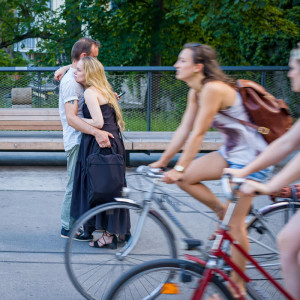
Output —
<point x="211" y="268"/>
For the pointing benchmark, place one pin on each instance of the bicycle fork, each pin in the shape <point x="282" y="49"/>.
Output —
<point x="136" y="235"/>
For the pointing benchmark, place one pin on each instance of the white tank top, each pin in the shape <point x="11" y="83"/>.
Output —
<point x="242" y="143"/>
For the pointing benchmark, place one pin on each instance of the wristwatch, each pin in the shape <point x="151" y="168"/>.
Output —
<point x="179" y="168"/>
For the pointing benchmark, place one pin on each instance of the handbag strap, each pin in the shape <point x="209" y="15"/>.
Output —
<point x="111" y="149"/>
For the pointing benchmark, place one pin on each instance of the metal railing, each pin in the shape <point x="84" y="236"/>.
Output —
<point x="154" y="99"/>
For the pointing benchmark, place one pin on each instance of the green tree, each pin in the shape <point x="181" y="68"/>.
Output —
<point x="137" y="32"/>
<point x="22" y="19"/>
<point x="253" y="32"/>
<point x="152" y="32"/>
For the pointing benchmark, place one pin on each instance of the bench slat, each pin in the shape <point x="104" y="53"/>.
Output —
<point x="38" y="144"/>
<point x="30" y="122"/>
<point x="29" y="112"/>
<point x="31" y="127"/>
<point x="57" y="145"/>
<point x="29" y="118"/>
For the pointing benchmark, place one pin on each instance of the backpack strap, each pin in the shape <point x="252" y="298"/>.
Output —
<point x="242" y="84"/>
<point x="260" y="129"/>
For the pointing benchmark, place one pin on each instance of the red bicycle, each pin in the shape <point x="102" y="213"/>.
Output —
<point x="197" y="277"/>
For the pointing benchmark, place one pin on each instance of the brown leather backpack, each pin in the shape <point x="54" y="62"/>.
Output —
<point x="269" y="116"/>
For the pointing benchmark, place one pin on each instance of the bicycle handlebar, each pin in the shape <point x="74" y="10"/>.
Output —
<point x="226" y="181"/>
<point x="150" y="172"/>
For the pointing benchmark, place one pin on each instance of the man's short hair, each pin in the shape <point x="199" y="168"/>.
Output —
<point x="84" y="45"/>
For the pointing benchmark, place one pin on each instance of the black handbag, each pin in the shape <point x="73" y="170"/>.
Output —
<point x="105" y="171"/>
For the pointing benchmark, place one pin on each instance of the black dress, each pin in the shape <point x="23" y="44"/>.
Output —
<point x="116" y="221"/>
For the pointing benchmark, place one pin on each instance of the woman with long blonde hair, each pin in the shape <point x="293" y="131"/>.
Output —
<point x="101" y="110"/>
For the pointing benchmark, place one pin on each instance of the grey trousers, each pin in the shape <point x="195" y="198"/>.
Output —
<point x="66" y="220"/>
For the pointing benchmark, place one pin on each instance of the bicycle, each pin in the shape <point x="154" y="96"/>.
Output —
<point x="195" y="278"/>
<point x="151" y="238"/>
<point x="263" y="229"/>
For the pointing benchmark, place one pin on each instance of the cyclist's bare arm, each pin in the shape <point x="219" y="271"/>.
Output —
<point x="273" y="154"/>
<point x="211" y="99"/>
<point x="289" y="174"/>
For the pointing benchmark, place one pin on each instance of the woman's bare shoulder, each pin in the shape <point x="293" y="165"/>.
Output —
<point x="91" y="91"/>
<point x="218" y="88"/>
<point x="216" y="85"/>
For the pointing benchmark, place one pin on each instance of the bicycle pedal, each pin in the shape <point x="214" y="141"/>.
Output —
<point x="185" y="277"/>
<point x="260" y="229"/>
<point x="192" y="244"/>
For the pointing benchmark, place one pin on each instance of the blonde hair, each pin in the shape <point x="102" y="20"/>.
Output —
<point x="95" y="77"/>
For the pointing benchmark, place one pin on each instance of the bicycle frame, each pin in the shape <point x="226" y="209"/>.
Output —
<point x="212" y="267"/>
<point x="219" y="255"/>
<point x="145" y="208"/>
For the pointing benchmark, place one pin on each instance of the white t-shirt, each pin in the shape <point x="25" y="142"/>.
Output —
<point x="70" y="90"/>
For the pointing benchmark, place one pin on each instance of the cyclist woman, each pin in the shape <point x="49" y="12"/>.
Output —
<point x="211" y="93"/>
<point x="289" y="238"/>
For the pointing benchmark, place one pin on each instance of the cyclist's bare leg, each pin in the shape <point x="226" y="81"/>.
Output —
<point x="289" y="247"/>
<point x="207" y="167"/>
<point x="210" y="167"/>
<point x="238" y="231"/>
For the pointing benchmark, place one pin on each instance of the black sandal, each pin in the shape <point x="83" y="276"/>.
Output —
<point x="112" y="245"/>
<point x="124" y="238"/>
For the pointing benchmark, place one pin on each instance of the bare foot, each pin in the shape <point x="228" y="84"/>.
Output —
<point x="106" y="239"/>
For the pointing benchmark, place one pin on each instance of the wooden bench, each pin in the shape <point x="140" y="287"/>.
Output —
<point x="40" y="129"/>
<point x="30" y="119"/>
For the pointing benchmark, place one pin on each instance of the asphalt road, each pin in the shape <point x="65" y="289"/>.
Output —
<point x="31" y="249"/>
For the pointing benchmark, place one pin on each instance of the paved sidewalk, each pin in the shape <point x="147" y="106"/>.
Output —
<point x="31" y="249"/>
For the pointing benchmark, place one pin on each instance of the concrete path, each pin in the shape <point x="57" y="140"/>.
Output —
<point x="31" y="249"/>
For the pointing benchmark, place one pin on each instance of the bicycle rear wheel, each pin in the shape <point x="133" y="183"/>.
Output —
<point x="262" y="232"/>
<point x="93" y="270"/>
<point x="164" y="279"/>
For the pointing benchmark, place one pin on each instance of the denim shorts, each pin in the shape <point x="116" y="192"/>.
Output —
<point x="260" y="176"/>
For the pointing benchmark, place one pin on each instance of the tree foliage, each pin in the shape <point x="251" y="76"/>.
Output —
<point x="152" y="32"/>
<point x="21" y="19"/>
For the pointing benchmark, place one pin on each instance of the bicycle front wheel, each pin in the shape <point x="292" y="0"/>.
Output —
<point x="165" y="279"/>
<point x="262" y="232"/>
<point x="93" y="270"/>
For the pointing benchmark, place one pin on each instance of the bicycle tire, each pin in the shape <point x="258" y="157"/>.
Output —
<point x="275" y="216"/>
<point x="93" y="270"/>
<point x="138" y="283"/>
